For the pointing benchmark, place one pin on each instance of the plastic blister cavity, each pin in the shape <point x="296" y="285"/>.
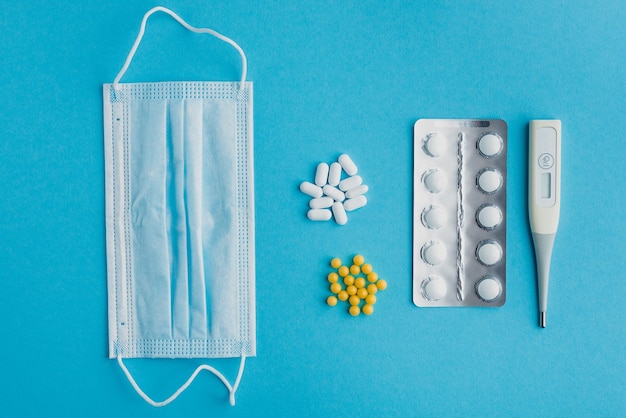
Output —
<point x="459" y="223"/>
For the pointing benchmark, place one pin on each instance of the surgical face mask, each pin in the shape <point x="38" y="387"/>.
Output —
<point x="180" y="219"/>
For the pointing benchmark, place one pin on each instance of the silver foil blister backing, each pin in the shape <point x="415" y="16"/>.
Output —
<point x="447" y="269"/>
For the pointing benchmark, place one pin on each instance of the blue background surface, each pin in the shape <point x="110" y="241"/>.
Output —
<point x="330" y="77"/>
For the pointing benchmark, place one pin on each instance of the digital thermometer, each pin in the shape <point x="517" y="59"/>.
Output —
<point x="544" y="199"/>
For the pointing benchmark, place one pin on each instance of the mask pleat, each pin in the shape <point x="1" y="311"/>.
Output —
<point x="151" y="258"/>
<point x="220" y="224"/>
<point x="178" y="221"/>
<point x="194" y="213"/>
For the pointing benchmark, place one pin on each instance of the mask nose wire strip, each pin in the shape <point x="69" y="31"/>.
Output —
<point x="231" y="389"/>
<point x="142" y="29"/>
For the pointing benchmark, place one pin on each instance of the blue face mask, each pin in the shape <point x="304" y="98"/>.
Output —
<point x="180" y="219"/>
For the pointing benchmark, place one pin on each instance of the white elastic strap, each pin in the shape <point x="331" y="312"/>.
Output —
<point x="142" y="29"/>
<point x="231" y="389"/>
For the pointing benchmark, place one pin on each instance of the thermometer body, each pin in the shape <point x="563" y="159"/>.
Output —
<point x="544" y="199"/>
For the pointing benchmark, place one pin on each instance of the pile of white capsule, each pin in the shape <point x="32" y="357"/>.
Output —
<point x="332" y="194"/>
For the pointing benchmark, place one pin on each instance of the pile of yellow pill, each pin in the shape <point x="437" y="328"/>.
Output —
<point x="356" y="284"/>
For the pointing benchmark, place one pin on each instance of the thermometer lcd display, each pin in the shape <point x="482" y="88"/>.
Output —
<point x="545" y="186"/>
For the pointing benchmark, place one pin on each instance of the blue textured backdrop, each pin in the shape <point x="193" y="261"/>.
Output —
<point x="330" y="77"/>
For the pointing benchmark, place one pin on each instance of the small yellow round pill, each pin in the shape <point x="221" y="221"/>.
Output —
<point x="362" y="293"/>
<point x="333" y="277"/>
<point x="343" y="295"/>
<point x="335" y="263"/>
<point x="381" y="284"/>
<point x="372" y="277"/>
<point x="368" y="309"/>
<point x="354" y="310"/>
<point x="359" y="282"/>
<point x="335" y="288"/>
<point x="348" y="280"/>
<point x="366" y="268"/>
<point x="358" y="259"/>
<point x="344" y="271"/>
<point x="354" y="300"/>
<point x="372" y="289"/>
<point x="331" y="300"/>
<point x="369" y="299"/>
<point x="354" y="269"/>
<point x="351" y="290"/>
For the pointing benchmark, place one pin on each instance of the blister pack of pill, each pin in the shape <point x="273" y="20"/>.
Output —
<point x="459" y="212"/>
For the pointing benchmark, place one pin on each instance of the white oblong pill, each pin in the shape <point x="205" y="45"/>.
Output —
<point x="334" y="174"/>
<point x="435" y="144"/>
<point x="489" y="180"/>
<point x="488" y="288"/>
<point x="434" y="253"/>
<point x="350" y="183"/>
<point x="489" y="216"/>
<point x="435" y="180"/>
<point x="339" y="213"/>
<point x="488" y="252"/>
<point x="434" y="288"/>
<point x="321" y="202"/>
<point x="321" y="174"/>
<point x="490" y="145"/>
<point x="311" y="189"/>
<point x="355" y="203"/>
<point x="319" y="214"/>
<point x="334" y="192"/>
<point x="348" y="165"/>
<point x="356" y="191"/>
<point x="434" y="217"/>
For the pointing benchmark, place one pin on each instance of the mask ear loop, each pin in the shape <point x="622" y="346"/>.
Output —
<point x="231" y="389"/>
<point x="187" y="26"/>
